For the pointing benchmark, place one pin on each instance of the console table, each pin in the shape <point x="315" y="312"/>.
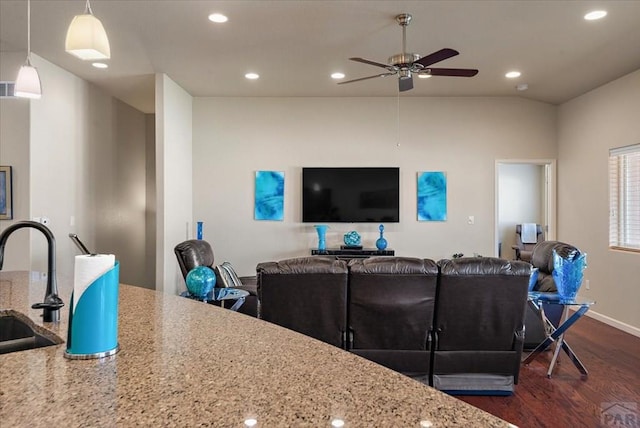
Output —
<point x="558" y="331"/>
<point x="350" y="253"/>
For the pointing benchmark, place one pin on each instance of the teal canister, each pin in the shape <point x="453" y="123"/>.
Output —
<point x="93" y="312"/>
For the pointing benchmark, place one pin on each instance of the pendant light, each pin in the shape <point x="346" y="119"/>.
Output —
<point x="86" y="37"/>
<point x="28" y="80"/>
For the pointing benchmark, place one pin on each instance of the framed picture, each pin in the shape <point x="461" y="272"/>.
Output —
<point x="269" y="198"/>
<point x="6" y="195"/>
<point x="432" y="196"/>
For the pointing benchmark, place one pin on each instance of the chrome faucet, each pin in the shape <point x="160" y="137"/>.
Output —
<point x="52" y="303"/>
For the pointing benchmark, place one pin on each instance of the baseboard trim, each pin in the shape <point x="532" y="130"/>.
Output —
<point x="615" y="323"/>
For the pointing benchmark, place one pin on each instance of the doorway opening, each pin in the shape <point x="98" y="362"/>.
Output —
<point x="525" y="192"/>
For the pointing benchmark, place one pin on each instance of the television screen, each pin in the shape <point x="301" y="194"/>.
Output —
<point x="350" y="195"/>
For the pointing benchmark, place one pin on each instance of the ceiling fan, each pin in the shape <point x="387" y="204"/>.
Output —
<point x="406" y="64"/>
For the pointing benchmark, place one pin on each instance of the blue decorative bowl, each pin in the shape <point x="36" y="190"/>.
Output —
<point x="568" y="273"/>
<point x="352" y="239"/>
<point x="200" y="281"/>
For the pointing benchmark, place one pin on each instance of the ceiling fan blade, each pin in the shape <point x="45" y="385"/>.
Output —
<point x="438" y="56"/>
<point x="377" y="64"/>
<point x="405" y="84"/>
<point x="366" y="78"/>
<point x="455" y="72"/>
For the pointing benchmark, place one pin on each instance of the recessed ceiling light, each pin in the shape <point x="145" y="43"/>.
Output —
<point x="100" y="65"/>
<point x="337" y="75"/>
<point x="218" y="17"/>
<point x="252" y="76"/>
<point x="250" y="422"/>
<point x="424" y="76"/>
<point x="595" y="14"/>
<point x="512" y="74"/>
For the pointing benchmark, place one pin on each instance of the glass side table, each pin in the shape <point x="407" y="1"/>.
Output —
<point x="221" y="294"/>
<point x="557" y="332"/>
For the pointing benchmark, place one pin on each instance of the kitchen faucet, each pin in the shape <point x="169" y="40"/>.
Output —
<point x="52" y="303"/>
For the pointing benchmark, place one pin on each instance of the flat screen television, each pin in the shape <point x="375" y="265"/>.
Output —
<point x="350" y="195"/>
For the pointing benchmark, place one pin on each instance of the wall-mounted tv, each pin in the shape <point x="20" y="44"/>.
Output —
<point x="350" y="195"/>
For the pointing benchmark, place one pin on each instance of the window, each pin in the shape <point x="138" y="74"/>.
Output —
<point x="624" y="198"/>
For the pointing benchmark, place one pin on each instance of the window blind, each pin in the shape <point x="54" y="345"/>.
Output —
<point x="624" y="198"/>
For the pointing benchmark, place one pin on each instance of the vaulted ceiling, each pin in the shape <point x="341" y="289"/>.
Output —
<point x="295" y="45"/>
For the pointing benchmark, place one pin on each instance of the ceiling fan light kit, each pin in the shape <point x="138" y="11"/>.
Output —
<point x="86" y="37"/>
<point x="405" y="64"/>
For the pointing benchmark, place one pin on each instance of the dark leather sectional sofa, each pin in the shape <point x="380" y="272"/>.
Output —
<point x="455" y="324"/>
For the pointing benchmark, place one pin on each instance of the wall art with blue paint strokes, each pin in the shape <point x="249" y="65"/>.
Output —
<point x="432" y="196"/>
<point x="269" y="201"/>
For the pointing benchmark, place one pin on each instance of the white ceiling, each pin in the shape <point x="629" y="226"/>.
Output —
<point x="296" y="45"/>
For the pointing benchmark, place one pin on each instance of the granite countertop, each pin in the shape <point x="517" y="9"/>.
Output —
<point x="187" y="363"/>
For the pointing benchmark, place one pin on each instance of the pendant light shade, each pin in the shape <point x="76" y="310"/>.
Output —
<point x="86" y="37"/>
<point x="28" y="80"/>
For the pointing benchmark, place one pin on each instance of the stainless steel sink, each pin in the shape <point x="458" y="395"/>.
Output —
<point x="19" y="333"/>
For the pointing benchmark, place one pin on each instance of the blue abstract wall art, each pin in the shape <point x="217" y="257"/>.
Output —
<point x="269" y="200"/>
<point x="432" y="196"/>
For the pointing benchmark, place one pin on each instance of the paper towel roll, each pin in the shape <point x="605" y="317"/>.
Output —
<point x="87" y="269"/>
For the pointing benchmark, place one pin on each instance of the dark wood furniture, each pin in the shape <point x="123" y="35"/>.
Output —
<point x="348" y="253"/>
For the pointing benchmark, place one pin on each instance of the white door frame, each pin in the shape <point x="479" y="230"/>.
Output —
<point x="549" y="192"/>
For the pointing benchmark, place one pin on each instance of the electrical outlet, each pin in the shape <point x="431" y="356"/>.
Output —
<point x="587" y="285"/>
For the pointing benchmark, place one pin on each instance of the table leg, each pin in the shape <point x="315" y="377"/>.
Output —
<point x="574" y="358"/>
<point x="556" y="352"/>
<point x="237" y="304"/>
<point x="556" y="335"/>
<point x="559" y="343"/>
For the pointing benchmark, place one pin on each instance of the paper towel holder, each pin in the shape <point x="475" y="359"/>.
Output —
<point x="79" y="244"/>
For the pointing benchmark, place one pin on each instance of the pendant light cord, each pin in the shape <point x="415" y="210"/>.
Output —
<point x="87" y="9"/>
<point x="28" y="32"/>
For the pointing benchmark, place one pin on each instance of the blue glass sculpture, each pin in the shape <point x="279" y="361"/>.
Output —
<point x="568" y="273"/>
<point x="200" y="281"/>
<point x="352" y="239"/>
<point x="381" y="243"/>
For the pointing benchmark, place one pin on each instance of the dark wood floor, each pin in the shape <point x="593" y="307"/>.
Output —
<point x="612" y="358"/>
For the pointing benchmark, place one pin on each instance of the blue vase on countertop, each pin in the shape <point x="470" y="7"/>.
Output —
<point x="322" y="233"/>
<point x="381" y="243"/>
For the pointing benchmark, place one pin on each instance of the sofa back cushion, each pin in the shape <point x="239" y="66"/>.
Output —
<point x="193" y="253"/>
<point x="307" y="295"/>
<point x="542" y="256"/>
<point x="391" y="302"/>
<point x="481" y="303"/>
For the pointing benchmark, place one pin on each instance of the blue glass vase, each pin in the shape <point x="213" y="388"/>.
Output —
<point x="322" y="233"/>
<point x="381" y="243"/>
<point x="568" y="273"/>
